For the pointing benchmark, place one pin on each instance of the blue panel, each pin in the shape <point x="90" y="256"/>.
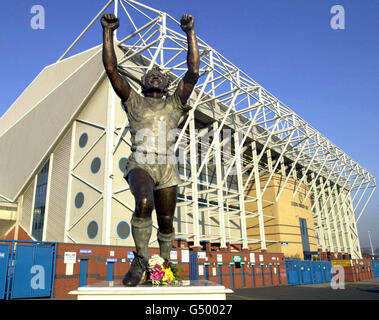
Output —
<point x="206" y="273"/>
<point x="4" y="259"/>
<point x="327" y="267"/>
<point x="110" y="271"/>
<point x="252" y="275"/>
<point x="270" y="274"/>
<point x="83" y="273"/>
<point x="243" y="276"/>
<point x="42" y="273"/>
<point x="305" y="271"/>
<point x="24" y="261"/>
<point x="292" y="271"/>
<point x="231" y="275"/>
<point x="193" y="266"/>
<point x="375" y="268"/>
<point x="316" y="272"/>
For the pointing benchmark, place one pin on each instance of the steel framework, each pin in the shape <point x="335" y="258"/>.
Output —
<point x="267" y="138"/>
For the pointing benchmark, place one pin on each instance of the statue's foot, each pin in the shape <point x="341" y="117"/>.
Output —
<point x="136" y="272"/>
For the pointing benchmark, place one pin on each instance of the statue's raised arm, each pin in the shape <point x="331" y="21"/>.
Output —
<point x="189" y="81"/>
<point x="121" y="86"/>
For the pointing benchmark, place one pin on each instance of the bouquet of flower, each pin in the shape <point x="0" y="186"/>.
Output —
<point x="163" y="272"/>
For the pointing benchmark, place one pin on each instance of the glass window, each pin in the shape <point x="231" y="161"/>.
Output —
<point x="95" y="165"/>
<point x="79" y="200"/>
<point x="123" y="230"/>
<point x="122" y="164"/>
<point x="92" y="229"/>
<point x="83" y="140"/>
<point x="40" y="202"/>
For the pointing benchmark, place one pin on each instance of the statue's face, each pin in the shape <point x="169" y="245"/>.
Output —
<point x="155" y="81"/>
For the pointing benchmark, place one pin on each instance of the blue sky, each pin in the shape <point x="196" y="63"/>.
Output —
<point x="329" y="77"/>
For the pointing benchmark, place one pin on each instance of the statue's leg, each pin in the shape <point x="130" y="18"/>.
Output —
<point x="165" y="203"/>
<point x="141" y="185"/>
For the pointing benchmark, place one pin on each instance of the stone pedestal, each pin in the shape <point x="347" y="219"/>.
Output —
<point x="187" y="290"/>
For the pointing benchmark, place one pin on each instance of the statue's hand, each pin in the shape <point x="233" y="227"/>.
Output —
<point x="187" y="22"/>
<point x="110" y="21"/>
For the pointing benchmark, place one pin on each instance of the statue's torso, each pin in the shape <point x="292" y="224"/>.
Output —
<point x="153" y="122"/>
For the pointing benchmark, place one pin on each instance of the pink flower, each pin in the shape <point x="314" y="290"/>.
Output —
<point x="158" y="267"/>
<point x="155" y="275"/>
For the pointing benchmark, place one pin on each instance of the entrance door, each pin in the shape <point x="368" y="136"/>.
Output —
<point x="193" y="266"/>
<point x="110" y="271"/>
<point x="83" y="273"/>
<point x="305" y="239"/>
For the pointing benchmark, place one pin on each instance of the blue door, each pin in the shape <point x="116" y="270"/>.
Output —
<point x="243" y="276"/>
<point x="231" y="275"/>
<point x="24" y="261"/>
<point x="327" y="267"/>
<point x="270" y="273"/>
<point x="305" y="271"/>
<point x="33" y="271"/>
<point x="43" y="267"/>
<point x="316" y="272"/>
<point x="252" y="275"/>
<point x="375" y="268"/>
<point x="219" y="274"/>
<point x="4" y="260"/>
<point x="110" y="271"/>
<point x="193" y="266"/>
<point x="292" y="270"/>
<point x="83" y="273"/>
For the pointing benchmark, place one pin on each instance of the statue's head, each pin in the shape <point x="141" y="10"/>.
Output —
<point x="155" y="83"/>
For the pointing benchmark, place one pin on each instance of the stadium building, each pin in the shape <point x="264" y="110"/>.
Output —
<point x="255" y="175"/>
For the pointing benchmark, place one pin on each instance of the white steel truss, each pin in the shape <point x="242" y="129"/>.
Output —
<point x="267" y="137"/>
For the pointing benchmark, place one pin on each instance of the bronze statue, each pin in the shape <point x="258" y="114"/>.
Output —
<point x="152" y="184"/>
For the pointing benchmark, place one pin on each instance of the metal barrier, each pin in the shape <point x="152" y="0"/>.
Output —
<point x="375" y="268"/>
<point x="307" y="272"/>
<point x="27" y="269"/>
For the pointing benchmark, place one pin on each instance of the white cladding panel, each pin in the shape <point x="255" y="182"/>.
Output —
<point x="27" y="206"/>
<point x="58" y="190"/>
<point x="38" y="130"/>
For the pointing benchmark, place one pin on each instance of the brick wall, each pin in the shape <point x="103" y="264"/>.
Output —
<point x="269" y="268"/>
<point x="360" y="269"/>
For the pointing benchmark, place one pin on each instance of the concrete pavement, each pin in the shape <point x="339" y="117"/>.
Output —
<point x="363" y="290"/>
